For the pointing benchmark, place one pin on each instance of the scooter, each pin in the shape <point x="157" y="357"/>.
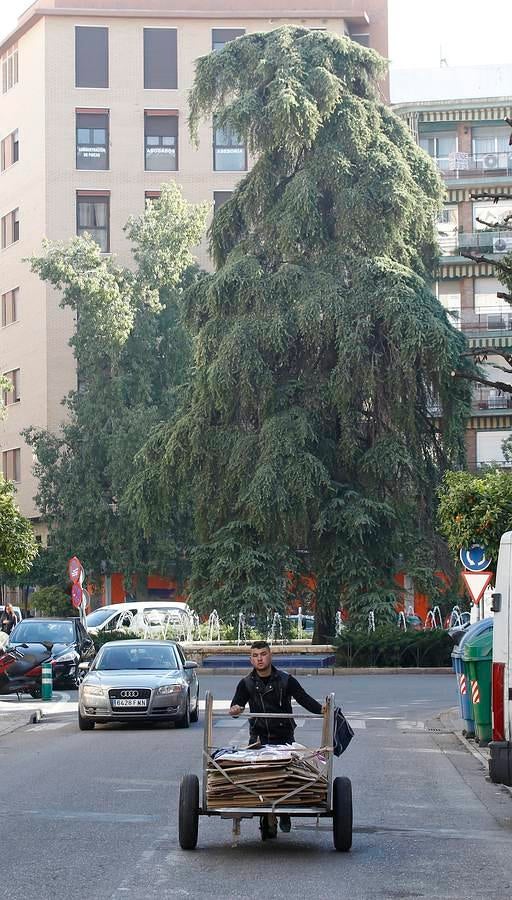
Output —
<point x="20" y="669"/>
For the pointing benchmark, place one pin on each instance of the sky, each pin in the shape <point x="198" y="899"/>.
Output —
<point x="464" y="32"/>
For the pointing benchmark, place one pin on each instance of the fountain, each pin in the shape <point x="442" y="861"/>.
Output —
<point x="402" y="621"/>
<point x="371" y="621"/>
<point x="276" y="628"/>
<point x="213" y="631"/>
<point x="242" y="633"/>
<point x="434" y="619"/>
<point x="339" y="626"/>
<point x="300" y="634"/>
<point x="455" y="620"/>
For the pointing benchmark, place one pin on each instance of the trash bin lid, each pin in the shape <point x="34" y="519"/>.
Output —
<point x="477" y="628"/>
<point x="479" y="646"/>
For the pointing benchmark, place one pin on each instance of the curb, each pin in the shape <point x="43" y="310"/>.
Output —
<point x="35" y="717"/>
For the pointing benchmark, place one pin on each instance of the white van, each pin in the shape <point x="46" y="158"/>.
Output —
<point x="149" y="618"/>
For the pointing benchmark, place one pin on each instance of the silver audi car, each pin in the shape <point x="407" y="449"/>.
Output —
<point x="139" y="681"/>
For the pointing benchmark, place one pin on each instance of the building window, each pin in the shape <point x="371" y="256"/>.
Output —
<point x="362" y="38"/>
<point x="222" y="36"/>
<point x="441" y="147"/>
<point x="229" y="151"/>
<point x="10" y="229"/>
<point x="11" y="464"/>
<point x="219" y="199"/>
<point x="160" y="142"/>
<point x="9" y="150"/>
<point x="92" y="216"/>
<point x="10" y="307"/>
<point x="151" y="196"/>
<point x="92" y="140"/>
<point x="10" y="69"/>
<point x="12" y="395"/>
<point x="160" y="58"/>
<point x="91" y="57"/>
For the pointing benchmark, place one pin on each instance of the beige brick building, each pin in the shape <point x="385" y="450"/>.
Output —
<point x="93" y="111"/>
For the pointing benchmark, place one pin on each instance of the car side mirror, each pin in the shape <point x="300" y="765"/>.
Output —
<point x="190" y="664"/>
<point x="84" y="666"/>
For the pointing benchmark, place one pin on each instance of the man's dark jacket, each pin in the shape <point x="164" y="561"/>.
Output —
<point x="273" y="695"/>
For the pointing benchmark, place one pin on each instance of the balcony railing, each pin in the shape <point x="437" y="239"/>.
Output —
<point x="492" y="399"/>
<point x="481" y="321"/>
<point x="464" y="165"/>
<point x="454" y="244"/>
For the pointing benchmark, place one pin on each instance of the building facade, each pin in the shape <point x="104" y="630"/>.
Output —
<point x="469" y="142"/>
<point x="93" y="118"/>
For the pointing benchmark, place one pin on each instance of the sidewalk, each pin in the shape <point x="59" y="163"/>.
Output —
<point x="12" y="719"/>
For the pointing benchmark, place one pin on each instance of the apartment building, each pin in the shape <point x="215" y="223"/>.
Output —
<point x="93" y="118"/>
<point x="469" y="142"/>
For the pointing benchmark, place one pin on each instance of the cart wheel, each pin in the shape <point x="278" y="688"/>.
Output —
<point x="342" y="814"/>
<point x="188" y="821"/>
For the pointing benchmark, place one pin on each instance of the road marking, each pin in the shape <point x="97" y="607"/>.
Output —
<point x="86" y="815"/>
<point x="47" y="726"/>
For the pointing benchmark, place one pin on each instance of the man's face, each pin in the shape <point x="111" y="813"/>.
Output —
<point x="261" y="659"/>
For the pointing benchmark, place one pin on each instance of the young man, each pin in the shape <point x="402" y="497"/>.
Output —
<point x="267" y="689"/>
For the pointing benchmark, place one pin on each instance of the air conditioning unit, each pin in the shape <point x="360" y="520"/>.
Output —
<point x="502" y="244"/>
<point x="491" y="161"/>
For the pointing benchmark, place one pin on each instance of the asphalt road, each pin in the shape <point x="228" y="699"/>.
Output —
<point x="94" y="815"/>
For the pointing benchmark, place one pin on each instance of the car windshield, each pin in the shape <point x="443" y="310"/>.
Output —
<point x="97" y="617"/>
<point x="35" y="632"/>
<point x="136" y="657"/>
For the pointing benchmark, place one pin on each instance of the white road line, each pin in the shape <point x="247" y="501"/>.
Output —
<point x="47" y="726"/>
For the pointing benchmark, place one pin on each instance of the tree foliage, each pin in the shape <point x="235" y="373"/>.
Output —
<point x="475" y="509"/>
<point x="306" y="437"/>
<point x="17" y="542"/>
<point x="133" y="357"/>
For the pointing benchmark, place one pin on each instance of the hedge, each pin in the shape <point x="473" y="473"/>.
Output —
<point x="393" y="647"/>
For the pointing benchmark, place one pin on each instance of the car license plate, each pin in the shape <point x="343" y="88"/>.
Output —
<point x="141" y="702"/>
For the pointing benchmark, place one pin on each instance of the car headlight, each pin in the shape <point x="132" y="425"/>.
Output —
<point x="93" y="690"/>
<point x="70" y="656"/>
<point x="170" y="689"/>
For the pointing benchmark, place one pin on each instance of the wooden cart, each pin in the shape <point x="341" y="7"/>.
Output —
<point x="337" y="796"/>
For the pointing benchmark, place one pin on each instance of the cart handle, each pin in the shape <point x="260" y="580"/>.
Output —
<point x="265" y="715"/>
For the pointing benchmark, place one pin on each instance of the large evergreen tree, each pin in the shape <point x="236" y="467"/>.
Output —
<point x="133" y="356"/>
<point x="307" y="436"/>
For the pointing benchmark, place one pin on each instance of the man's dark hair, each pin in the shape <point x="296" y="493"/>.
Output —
<point x="260" y="645"/>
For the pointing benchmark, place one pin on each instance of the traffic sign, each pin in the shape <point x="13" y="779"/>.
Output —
<point x="77" y="595"/>
<point x="476" y="583"/>
<point x="75" y="570"/>
<point x="474" y="558"/>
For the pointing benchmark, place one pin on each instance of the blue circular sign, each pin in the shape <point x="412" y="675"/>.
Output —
<point x="474" y="558"/>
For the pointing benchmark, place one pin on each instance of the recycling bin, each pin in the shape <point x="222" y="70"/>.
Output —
<point x="462" y="674"/>
<point x="477" y="660"/>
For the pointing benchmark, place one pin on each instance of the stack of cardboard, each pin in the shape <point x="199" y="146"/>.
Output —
<point x="265" y="777"/>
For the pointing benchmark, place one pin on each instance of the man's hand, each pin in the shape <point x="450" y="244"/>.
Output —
<point x="235" y="711"/>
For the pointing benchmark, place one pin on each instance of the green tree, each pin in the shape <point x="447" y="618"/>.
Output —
<point x="475" y="509"/>
<point x="17" y="542"/>
<point x="133" y="356"/>
<point x="307" y="436"/>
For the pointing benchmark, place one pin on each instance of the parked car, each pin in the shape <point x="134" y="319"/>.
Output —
<point x="308" y="622"/>
<point x="148" y="617"/>
<point x="146" y="680"/>
<point x="66" y="638"/>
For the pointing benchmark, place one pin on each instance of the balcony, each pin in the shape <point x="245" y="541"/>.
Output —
<point x="480" y="165"/>
<point x="454" y="244"/>
<point x="485" y="321"/>
<point x="491" y="399"/>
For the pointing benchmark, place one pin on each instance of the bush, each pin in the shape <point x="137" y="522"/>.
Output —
<point x="52" y="601"/>
<point x="105" y="636"/>
<point x="393" y="647"/>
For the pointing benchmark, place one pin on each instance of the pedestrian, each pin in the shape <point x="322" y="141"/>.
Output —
<point x="267" y="689"/>
<point x="8" y="619"/>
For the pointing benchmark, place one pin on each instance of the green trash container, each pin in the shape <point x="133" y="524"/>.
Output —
<point x="477" y="657"/>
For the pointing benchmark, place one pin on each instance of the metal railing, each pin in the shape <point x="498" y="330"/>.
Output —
<point x="475" y="242"/>
<point x="490" y="398"/>
<point x="481" y="321"/>
<point x="478" y="165"/>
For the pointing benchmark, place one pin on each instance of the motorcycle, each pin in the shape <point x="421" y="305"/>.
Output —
<point x="20" y="668"/>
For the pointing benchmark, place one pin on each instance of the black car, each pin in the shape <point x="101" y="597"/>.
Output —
<point x="66" y="638"/>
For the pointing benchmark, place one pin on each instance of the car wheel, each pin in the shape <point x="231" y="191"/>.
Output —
<point x="342" y="814"/>
<point x="36" y="692"/>
<point x="194" y="716"/>
<point x="83" y="723"/>
<point x="188" y="816"/>
<point x="184" y="720"/>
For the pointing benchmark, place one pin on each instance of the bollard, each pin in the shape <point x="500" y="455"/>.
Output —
<point x="46" y="681"/>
